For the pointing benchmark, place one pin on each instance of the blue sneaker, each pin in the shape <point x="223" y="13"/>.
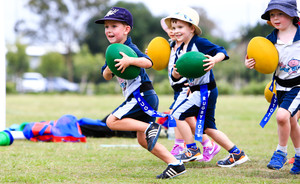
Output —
<point x="296" y="166"/>
<point x="278" y="160"/>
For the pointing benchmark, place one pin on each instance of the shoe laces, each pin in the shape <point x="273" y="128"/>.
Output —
<point x="189" y="151"/>
<point x="278" y="156"/>
<point x="206" y="150"/>
<point x="230" y="158"/>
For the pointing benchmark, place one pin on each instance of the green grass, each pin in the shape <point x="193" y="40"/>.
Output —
<point x="38" y="162"/>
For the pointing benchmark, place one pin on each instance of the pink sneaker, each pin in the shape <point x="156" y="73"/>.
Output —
<point x="209" y="153"/>
<point x="176" y="150"/>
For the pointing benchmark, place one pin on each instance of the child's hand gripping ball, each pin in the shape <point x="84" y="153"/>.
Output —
<point x="264" y="53"/>
<point x="113" y="52"/>
<point x="190" y="64"/>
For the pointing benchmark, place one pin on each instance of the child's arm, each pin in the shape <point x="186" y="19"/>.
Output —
<point x="211" y="61"/>
<point x="126" y="61"/>
<point x="250" y="63"/>
<point x="107" y="74"/>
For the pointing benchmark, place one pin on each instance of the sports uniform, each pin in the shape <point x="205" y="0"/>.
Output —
<point x="130" y="108"/>
<point x="284" y="18"/>
<point x="287" y="74"/>
<point x="180" y="90"/>
<point x="190" y="107"/>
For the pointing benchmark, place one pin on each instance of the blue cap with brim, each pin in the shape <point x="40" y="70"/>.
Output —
<point x="117" y="14"/>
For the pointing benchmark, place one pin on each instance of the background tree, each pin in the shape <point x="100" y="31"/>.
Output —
<point x="18" y="60"/>
<point x="145" y="28"/>
<point x="87" y="66"/>
<point x="59" y="21"/>
<point x="52" y="65"/>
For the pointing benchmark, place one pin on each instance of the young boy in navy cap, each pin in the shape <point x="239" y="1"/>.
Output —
<point x="129" y="116"/>
<point x="286" y="38"/>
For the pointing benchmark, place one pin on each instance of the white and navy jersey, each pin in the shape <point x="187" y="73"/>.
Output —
<point x="206" y="47"/>
<point x="172" y="61"/>
<point x="287" y="73"/>
<point x="129" y="86"/>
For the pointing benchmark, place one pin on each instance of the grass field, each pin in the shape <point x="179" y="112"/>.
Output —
<point x="91" y="162"/>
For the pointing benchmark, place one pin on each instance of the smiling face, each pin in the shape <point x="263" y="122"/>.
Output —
<point x="170" y="33"/>
<point x="116" y="31"/>
<point x="183" y="31"/>
<point x="280" y="20"/>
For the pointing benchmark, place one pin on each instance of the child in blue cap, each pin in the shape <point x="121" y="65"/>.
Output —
<point x="129" y="116"/>
<point x="286" y="37"/>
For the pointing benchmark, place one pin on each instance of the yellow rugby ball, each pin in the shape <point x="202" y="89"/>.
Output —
<point x="268" y="93"/>
<point x="159" y="52"/>
<point x="264" y="53"/>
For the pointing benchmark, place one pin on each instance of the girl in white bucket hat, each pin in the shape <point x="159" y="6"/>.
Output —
<point x="184" y="24"/>
<point x="188" y="15"/>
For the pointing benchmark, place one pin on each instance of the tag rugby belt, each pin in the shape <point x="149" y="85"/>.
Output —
<point x="210" y="86"/>
<point x="288" y="82"/>
<point x="178" y="87"/>
<point x="144" y="87"/>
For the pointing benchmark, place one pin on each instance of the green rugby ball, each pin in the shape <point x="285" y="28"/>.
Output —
<point x="113" y="52"/>
<point x="190" y="64"/>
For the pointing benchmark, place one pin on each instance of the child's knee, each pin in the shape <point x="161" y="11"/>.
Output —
<point x="282" y="116"/>
<point x="110" y="121"/>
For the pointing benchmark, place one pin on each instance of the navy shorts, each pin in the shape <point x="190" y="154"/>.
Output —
<point x="179" y="96"/>
<point x="190" y="107"/>
<point x="131" y="109"/>
<point x="289" y="100"/>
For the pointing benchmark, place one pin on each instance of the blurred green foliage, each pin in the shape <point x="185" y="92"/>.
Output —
<point x="231" y="75"/>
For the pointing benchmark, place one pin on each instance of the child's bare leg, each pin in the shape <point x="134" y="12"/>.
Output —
<point x="295" y="132"/>
<point x="192" y="122"/>
<point x="284" y="126"/>
<point x="126" y="124"/>
<point x="220" y="138"/>
<point x="185" y="131"/>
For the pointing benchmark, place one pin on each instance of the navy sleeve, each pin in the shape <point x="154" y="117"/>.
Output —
<point x="273" y="36"/>
<point x="207" y="47"/>
<point x="138" y="52"/>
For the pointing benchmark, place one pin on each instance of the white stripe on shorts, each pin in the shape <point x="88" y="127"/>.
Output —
<point x="294" y="105"/>
<point x="125" y="109"/>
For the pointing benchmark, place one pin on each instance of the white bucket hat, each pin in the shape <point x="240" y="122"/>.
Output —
<point x="188" y="15"/>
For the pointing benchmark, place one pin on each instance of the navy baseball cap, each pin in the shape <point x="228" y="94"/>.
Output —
<point x="118" y="14"/>
<point x="289" y="7"/>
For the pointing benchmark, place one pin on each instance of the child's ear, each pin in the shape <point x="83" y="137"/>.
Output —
<point x="127" y="30"/>
<point x="193" y="29"/>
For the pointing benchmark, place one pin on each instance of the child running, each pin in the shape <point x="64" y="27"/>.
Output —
<point x="181" y="91"/>
<point x="129" y="116"/>
<point x="184" y="23"/>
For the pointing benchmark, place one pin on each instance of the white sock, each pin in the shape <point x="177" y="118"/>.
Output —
<point x="180" y="142"/>
<point x="297" y="150"/>
<point x="282" y="148"/>
<point x="177" y="162"/>
<point x="207" y="143"/>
